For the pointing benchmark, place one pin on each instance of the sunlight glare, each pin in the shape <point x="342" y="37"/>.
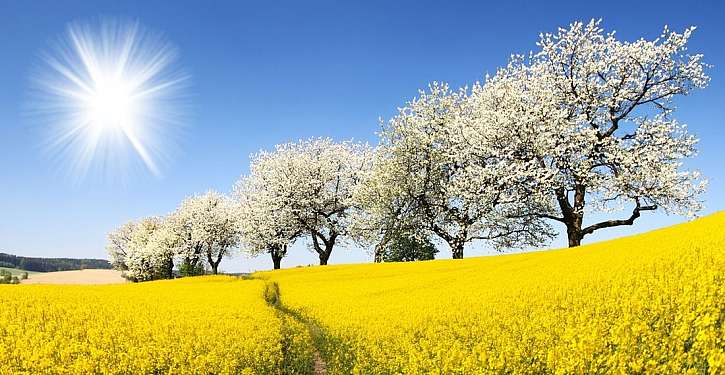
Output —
<point x="110" y="105"/>
<point x="110" y="96"/>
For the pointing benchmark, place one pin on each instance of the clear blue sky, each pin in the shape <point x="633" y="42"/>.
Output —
<point x="270" y="72"/>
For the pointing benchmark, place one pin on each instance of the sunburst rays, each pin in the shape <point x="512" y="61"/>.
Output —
<point x="110" y="97"/>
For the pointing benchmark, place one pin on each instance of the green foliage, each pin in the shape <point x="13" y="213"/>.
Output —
<point x="24" y="276"/>
<point x="7" y="278"/>
<point x="188" y="268"/>
<point x="407" y="247"/>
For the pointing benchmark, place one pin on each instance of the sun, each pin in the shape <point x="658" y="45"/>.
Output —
<point x="111" y="95"/>
<point x="110" y="104"/>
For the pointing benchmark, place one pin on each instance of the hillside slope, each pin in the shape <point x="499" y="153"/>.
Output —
<point x="653" y="302"/>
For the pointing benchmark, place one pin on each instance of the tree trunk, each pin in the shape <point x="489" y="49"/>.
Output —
<point x="329" y="243"/>
<point x="379" y="249"/>
<point x="457" y="250"/>
<point x="325" y="256"/>
<point x="572" y="215"/>
<point x="457" y="243"/>
<point x="574" y="234"/>
<point x="574" y="227"/>
<point x="575" y="238"/>
<point x="277" y="252"/>
<point x="214" y="264"/>
<point x="327" y="251"/>
<point x="276" y="259"/>
<point x="169" y="268"/>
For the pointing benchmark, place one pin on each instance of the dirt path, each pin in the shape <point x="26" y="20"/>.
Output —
<point x="76" y="277"/>
<point x="272" y="296"/>
<point x="320" y="367"/>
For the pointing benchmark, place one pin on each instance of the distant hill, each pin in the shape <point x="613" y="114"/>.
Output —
<point x="51" y="264"/>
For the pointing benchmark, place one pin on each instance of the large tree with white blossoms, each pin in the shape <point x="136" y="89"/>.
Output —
<point x="144" y="259"/>
<point x="427" y="176"/>
<point x="597" y="114"/>
<point x="267" y="222"/>
<point x="206" y="226"/>
<point x="313" y="181"/>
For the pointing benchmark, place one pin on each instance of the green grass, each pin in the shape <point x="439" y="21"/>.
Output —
<point x="17" y="272"/>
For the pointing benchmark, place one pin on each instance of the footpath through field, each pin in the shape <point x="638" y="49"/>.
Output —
<point x="273" y="298"/>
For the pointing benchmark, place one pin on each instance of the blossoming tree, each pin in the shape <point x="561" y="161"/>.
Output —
<point x="266" y="220"/>
<point x="313" y="181"/>
<point x="597" y="115"/>
<point x="144" y="260"/>
<point x="210" y="227"/>
<point x="426" y="176"/>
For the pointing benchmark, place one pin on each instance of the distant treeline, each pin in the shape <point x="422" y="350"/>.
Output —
<point x="50" y="264"/>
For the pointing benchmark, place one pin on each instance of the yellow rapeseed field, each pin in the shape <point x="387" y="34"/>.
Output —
<point x="205" y="325"/>
<point x="653" y="303"/>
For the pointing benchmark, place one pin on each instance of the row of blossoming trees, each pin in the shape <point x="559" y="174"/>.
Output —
<point x="585" y="125"/>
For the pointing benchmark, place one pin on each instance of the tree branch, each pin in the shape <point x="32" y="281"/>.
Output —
<point x="613" y="223"/>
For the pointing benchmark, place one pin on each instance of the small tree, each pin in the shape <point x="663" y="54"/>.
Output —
<point x="407" y="247"/>
<point x="203" y="229"/>
<point x="5" y="277"/>
<point x="182" y="237"/>
<point x="187" y="268"/>
<point x="380" y="208"/>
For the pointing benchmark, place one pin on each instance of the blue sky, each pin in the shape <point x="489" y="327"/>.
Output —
<point x="270" y="72"/>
